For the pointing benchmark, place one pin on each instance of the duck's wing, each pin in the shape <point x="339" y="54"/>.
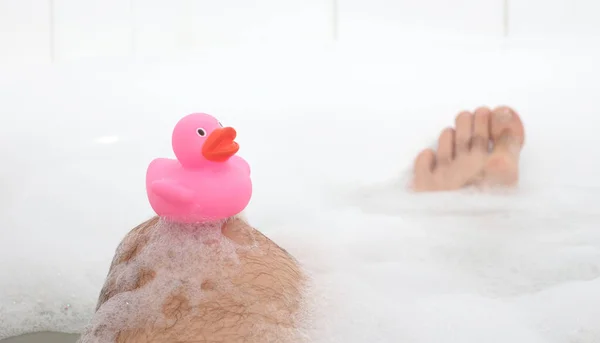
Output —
<point x="240" y="163"/>
<point x="172" y="192"/>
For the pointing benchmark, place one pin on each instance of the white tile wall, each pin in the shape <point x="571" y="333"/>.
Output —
<point x="260" y="20"/>
<point x="576" y="18"/>
<point x="42" y="30"/>
<point x="163" y="25"/>
<point x="159" y="25"/>
<point x="24" y="31"/>
<point x="87" y="28"/>
<point x="373" y="19"/>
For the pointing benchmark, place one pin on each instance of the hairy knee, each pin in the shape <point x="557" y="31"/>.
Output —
<point x="227" y="285"/>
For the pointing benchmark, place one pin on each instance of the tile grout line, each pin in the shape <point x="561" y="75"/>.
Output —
<point x="506" y="18"/>
<point x="132" y="27"/>
<point x="51" y="30"/>
<point x="334" y="19"/>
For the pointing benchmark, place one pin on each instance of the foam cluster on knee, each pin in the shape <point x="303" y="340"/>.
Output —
<point x="179" y="276"/>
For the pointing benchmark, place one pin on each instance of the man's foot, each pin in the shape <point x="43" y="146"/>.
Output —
<point x="482" y="150"/>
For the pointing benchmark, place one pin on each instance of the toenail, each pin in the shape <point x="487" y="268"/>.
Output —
<point x="503" y="115"/>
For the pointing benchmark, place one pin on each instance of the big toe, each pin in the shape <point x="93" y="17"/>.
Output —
<point x="506" y="127"/>
<point x="508" y="135"/>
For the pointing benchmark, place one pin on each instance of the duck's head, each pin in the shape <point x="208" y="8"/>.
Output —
<point x="200" y="139"/>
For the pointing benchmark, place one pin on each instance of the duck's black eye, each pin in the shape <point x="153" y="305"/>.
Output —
<point x="201" y="132"/>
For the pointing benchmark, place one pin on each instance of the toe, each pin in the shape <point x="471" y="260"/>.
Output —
<point x="425" y="162"/>
<point x="423" y="171"/>
<point x="464" y="130"/>
<point x="506" y="127"/>
<point x="507" y="134"/>
<point x="445" y="151"/>
<point x="481" y="130"/>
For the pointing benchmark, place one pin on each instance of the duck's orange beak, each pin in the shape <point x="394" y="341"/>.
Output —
<point x="219" y="145"/>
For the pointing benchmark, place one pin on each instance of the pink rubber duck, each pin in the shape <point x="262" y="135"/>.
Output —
<point x="207" y="182"/>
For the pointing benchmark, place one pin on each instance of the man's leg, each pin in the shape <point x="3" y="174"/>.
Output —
<point x="482" y="150"/>
<point x="228" y="285"/>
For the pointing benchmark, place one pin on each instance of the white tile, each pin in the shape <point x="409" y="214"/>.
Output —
<point x="24" y="31"/>
<point x="551" y="18"/>
<point x="162" y="25"/>
<point x="158" y="25"/>
<point x="375" y="19"/>
<point x="92" y="28"/>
